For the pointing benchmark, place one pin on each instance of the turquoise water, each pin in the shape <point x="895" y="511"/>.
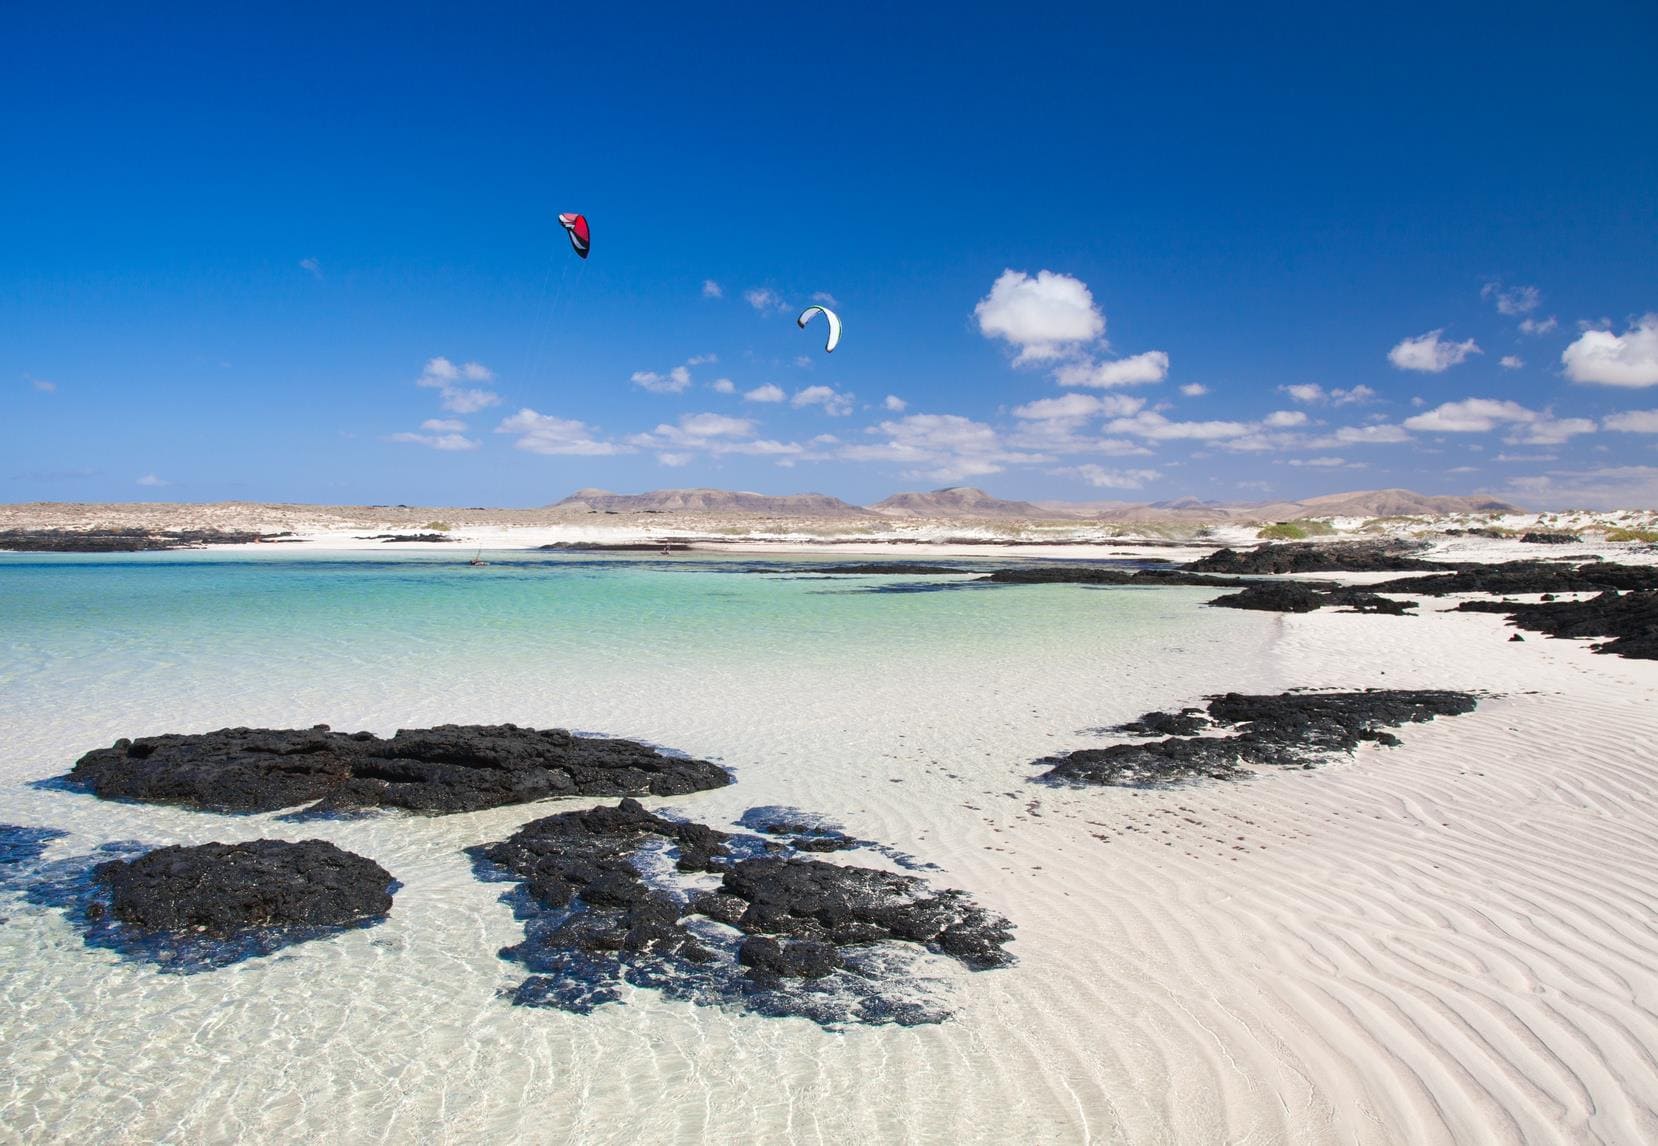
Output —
<point x="909" y="717"/>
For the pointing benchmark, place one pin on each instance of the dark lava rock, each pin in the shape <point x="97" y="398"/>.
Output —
<point x="1316" y="557"/>
<point x="618" y="546"/>
<point x="122" y="540"/>
<point x="1103" y="575"/>
<point x="225" y="888"/>
<point x="1631" y="619"/>
<point x="1182" y="723"/>
<point x="1543" y="537"/>
<point x="1528" y="577"/>
<point x="384" y="537"/>
<point x="904" y="568"/>
<point x="616" y="894"/>
<point x="450" y="768"/>
<point x="1299" y="597"/>
<point x="1287" y="730"/>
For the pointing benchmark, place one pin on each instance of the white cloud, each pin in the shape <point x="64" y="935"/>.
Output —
<point x="545" y="434"/>
<point x="702" y="359"/>
<point x="1481" y="415"/>
<point x="1067" y="407"/>
<point x="152" y="480"/>
<point x="765" y="300"/>
<point x="1430" y="353"/>
<point x="723" y="386"/>
<point x="1281" y="418"/>
<point x="894" y="403"/>
<point x="1539" y="325"/>
<point x="1194" y="389"/>
<point x="675" y="381"/>
<point x="824" y="297"/>
<point x="834" y="403"/>
<point x="1363" y="436"/>
<point x="714" y="426"/>
<point x="311" y="265"/>
<point x="1102" y="478"/>
<point x="1045" y="316"/>
<point x="1632" y="422"/>
<point x="943" y="447"/>
<point x="1322" y="463"/>
<point x="441" y="374"/>
<point x="1512" y="301"/>
<point x="1629" y="359"/>
<point x="766" y="393"/>
<point x="1511" y="362"/>
<point x="44" y="386"/>
<point x="440" y="441"/>
<point x="712" y="289"/>
<point x="675" y="459"/>
<point x="1148" y="424"/>
<point x="443" y="425"/>
<point x="1358" y="395"/>
<point x="1613" y="487"/>
<point x="1151" y="366"/>
<point x="1306" y="392"/>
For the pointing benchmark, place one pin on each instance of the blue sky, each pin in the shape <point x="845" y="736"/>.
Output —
<point x="1090" y="252"/>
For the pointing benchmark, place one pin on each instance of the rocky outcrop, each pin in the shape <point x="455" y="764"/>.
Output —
<point x="1528" y="577"/>
<point x="1301" y="597"/>
<point x="450" y="768"/>
<point x="1544" y="537"/>
<point x="123" y="540"/>
<point x="1317" y="557"/>
<point x="612" y="895"/>
<point x="220" y="889"/>
<point x="1630" y="619"/>
<point x="1287" y="730"/>
<point x="886" y="568"/>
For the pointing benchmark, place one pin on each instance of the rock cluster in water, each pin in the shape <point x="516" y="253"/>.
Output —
<point x="220" y="889"/>
<point x="615" y="895"/>
<point x="449" y="768"/>
<point x="123" y="540"/>
<point x="1240" y="732"/>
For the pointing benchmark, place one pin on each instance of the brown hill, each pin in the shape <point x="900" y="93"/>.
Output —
<point x="721" y="501"/>
<point x="957" y="501"/>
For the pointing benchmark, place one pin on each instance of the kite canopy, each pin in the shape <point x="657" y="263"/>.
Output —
<point x="829" y="316"/>
<point x="580" y="237"/>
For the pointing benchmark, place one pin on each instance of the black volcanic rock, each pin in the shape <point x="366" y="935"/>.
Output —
<point x="1107" y="575"/>
<point x="905" y="568"/>
<point x="123" y="540"/>
<point x="1544" y="537"/>
<point x="613" y="894"/>
<point x="1316" y="557"/>
<point x="221" y="889"/>
<point x="1528" y="577"/>
<point x="1630" y="619"/>
<point x="427" y="537"/>
<point x="1287" y="730"/>
<point x="450" y="768"/>
<point x="1302" y="597"/>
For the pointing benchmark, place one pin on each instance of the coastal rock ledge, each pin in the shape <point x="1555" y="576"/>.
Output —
<point x="449" y="768"/>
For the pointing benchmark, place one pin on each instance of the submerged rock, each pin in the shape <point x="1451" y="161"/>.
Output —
<point x="1317" y="557"/>
<point x="905" y="568"/>
<point x="614" y="895"/>
<point x="224" y="888"/>
<point x="450" y="768"/>
<point x="1630" y="619"/>
<point x="1287" y="730"/>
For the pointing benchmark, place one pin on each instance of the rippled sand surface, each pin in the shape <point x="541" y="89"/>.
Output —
<point x="1451" y="941"/>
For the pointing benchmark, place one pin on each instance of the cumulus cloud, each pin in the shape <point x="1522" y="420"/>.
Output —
<point x="766" y="393"/>
<point x="1481" y="415"/>
<point x="833" y="402"/>
<point x="441" y="374"/>
<point x="1539" y="325"/>
<point x="1045" y="316"/>
<point x="765" y="300"/>
<point x="1103" y="478"/>
<point x="1282" y="418"/>
<point x="443" y="425"/>
<point x="1512" y="301"/>
<point x="675" y="381"/>
<point x="545" y="434"/>
<point x="1150" y="424"/>
<point x="723" y="386"/>
<point x="1431" y="354"/>
<point x="1194" y="390"/>
<point x="942" y="447"/>
<point x="153" y="481"/>
<point x="1607" y="359"/>
<point x="1321" y="463"/>
<point x="1612" y="487"/>
<point x="1305" y="392"/>
<point x="1632" y="422"/>
<point x="1511" y="362"/>
<point x="1379" y="434"/>
<point x="712" y="289"/>
<point x="1151" y="366"/>
<point x="710" y="433"/>
<point x="824" y="297"/>
<point x="894" y="403"/>
<point x="702" y="359"/>
<point x="438" y="441"/>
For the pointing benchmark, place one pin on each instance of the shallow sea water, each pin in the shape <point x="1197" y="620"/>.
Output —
<point x="910" y="718"/>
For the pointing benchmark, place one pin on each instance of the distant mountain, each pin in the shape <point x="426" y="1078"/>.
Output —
<point x="710" y="501"/>
<point x="957" y="501"/>
<point x="1397" y="503"/>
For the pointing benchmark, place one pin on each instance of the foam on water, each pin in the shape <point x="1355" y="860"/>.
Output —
<point x="909" y="719"/>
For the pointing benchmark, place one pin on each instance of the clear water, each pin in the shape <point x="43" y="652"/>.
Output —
<point x="903" y="716"/>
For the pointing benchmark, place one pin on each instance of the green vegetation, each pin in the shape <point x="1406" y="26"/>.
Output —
<point x="438" y="526"/>
<point x="1632" y="535"/>
<point x="1282" y="531"/>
